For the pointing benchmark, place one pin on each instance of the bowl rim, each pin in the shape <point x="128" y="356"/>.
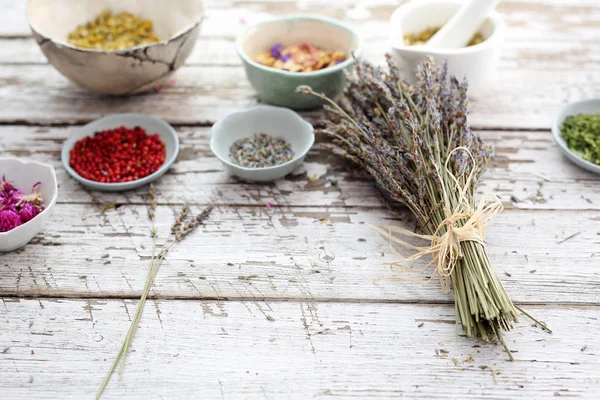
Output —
<point x="312" y="17"/>
<point x="183" y="31"/>
<point x="494" y="17"/>
<point x="561" y="114"/>
<point x="217" y="125"/>
<point x="49" y="206"/>
<point x="76" y="136"/>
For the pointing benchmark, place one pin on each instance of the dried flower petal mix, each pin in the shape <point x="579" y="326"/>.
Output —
<point x="113" y="32"/>
<point x="302" y="57"/>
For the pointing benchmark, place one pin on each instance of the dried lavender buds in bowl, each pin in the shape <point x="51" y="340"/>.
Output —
<point x="262" y="143"/>
<point x="260" y="151"/>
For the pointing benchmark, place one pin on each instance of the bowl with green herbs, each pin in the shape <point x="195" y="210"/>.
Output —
<point x="576" y="130"/>
<point x="262" y="143"/>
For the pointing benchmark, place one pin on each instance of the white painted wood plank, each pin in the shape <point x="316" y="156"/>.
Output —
<point x="202" y="95"/>
<point x="514" y="174"/>
<point x="229" y="350"/>
<point x="260" y="252"/>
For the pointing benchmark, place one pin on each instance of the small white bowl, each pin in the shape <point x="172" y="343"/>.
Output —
<point x="477" y="63"/>
<point x="275" y="121"/>
<point x="25" y="174"/>
<point x="591" y="106"/>
<point x="150" y="124"/>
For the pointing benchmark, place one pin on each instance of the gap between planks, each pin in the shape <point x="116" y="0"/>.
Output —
<point x="404" y="211"/>
<point x="207" y="124"/>
<point x="26" y="295"/>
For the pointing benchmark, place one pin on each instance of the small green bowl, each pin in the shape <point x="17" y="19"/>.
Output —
<point x="278" y="87"/>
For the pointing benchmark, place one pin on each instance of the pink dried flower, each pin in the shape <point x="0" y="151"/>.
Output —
<point x="9" y="220"/>
<point x="11" y="198"/>
<point x="35" y="199"/>
<point x="6" y="186"/>
<point x="268" y="204"/>
<point x="28" y="211"/>
<point x="171" y="82"/>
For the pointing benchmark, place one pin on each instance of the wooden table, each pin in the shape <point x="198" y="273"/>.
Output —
<point x="246" y="308"/>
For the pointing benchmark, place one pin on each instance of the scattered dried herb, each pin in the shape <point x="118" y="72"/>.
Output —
<point x="416" y="143"/>
<point x="260" y="151"/>
<point x="159" y="252"/>
<point x="581" y="132"/>
<point x="568" y="237"/>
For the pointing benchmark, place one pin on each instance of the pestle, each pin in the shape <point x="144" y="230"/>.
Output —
<point x="463" y="25"/>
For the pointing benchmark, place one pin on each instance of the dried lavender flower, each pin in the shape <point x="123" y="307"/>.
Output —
<point x="416" y="143"/>
<point x="180" y="219"/>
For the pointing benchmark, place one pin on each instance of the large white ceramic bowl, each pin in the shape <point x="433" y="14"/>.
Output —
<point x="591" y="106"/>
<point x="274" y="121"/>
<point x="25" y="174"/>
<point x="478" y="63"/>
<point x="150" y="124"/>
<point x="121" y="72"/>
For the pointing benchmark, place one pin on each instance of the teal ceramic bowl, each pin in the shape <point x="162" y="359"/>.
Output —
<point x="278" y="87"/>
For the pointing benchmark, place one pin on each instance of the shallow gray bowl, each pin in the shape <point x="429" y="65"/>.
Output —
<point x="150" y="124"/>
<point x="591" y="106"/>
<point x="121" y="72"/>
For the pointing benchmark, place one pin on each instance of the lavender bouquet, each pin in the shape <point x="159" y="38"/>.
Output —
<point x="415" y="142"/>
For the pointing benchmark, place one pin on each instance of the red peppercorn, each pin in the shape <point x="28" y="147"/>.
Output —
<point x="118" y="155"/>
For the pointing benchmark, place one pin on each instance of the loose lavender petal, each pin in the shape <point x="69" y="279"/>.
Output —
<point x="276" y="50"/>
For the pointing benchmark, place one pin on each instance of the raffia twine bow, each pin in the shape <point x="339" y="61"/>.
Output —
<point x="463" y="223"/>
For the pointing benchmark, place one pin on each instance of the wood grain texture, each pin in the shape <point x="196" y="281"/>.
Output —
<point x="230" y="350"/>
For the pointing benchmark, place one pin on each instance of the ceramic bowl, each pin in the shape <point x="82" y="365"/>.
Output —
<point x="591" y="106"/>
<point x="275" y="121"/>
<point x="120" y="72"/>
<point x="150" y="124"/>
<point x="478" y="63"/>
<point x="278" y="87"/>
<point x="25" y="174"/>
